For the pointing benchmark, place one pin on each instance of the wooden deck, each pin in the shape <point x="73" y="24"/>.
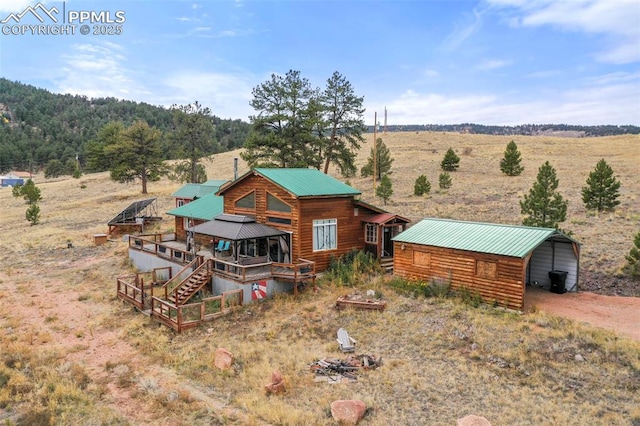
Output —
<point x="154" y="296"/>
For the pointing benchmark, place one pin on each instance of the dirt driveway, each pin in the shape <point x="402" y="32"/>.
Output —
<point x="620" y="314"/>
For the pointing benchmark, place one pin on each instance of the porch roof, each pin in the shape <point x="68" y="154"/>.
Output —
<point x="383" y="218"/>
<point x="235" y="228"/>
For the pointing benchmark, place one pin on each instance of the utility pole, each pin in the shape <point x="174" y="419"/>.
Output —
<point x="375" y="143"/>
<point x="385" y="120"/>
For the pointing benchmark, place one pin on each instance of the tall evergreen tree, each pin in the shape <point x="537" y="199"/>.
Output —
<point x="450" y="162"/>
<point x="385" y="189"/>
<point x="281" y="132"/>
<point x="383" y="161"/>
<point x="601" y="192"/>
<point x="510" y="163"/>
<point x="342" y="126"/>
<point x="633" y="258"/>
<point x="137" y="155"/>
<point x="192" y="139"/>
<point x="544" y="206"/>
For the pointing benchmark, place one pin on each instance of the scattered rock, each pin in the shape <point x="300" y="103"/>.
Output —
<point x="348" y="412"/>
<point x="579" y="358"/>
<point x="473" y="420"/>
<point x="223" y="359"/>
<point x="277" y="384"/>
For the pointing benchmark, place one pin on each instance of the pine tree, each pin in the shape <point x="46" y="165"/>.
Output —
<point x="29" y="191"/>
<point x="450" y="162"/>
<point x="384" y="190"/>
<point x="422" y="186"/>
<point x="544" y="206"/>
<point x="444" y="180"/>
<point x="510" y="164"/>
<point x="33" y="214"/>
<point x="633" y="258"/>
<point x="601" y="192"/>
<point x="383" y="161"/>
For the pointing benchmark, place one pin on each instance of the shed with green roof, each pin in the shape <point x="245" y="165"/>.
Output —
<point x="495" y="261"/>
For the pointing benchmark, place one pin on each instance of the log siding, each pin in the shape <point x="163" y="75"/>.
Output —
<point x="496" y="278"/>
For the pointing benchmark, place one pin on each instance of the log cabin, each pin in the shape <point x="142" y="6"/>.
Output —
<point x="321" y="216"/>
<point x="495" y="261"/>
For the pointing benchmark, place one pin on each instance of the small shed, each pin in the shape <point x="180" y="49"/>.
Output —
<point x="496" y="261"/>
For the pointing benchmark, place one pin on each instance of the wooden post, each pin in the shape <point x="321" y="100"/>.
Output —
<point x="375" y="131"/>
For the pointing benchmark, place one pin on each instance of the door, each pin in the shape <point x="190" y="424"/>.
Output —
<point x="387" y="244"/>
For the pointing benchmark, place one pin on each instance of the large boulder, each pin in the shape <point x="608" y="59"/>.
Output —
<point x="277" y="384"/>
<point x="223" y="359"/>
<point x="348" y="412"/>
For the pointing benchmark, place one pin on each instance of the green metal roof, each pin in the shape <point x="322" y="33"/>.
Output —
<point x="505" y="240"/>
<point x="205" y="208"/>
<point x="198" y="190"/>
<point x="307" y="182"/>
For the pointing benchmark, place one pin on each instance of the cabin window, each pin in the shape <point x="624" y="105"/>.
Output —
<point x="486" y="269"/>
<point x="280" y="220"/>
<point x="247" y="202"/>
<point x="275" y="204"/>
<point x="180" y="203"/>
<point x="325" y="234"/>
<point x="371" y="233"/>
<point x="421" y="258"/>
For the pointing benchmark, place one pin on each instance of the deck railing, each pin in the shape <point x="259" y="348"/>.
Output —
<point x="300" y="271"/>
<point x="184" y="317"/>
<point x="153" y="244"/>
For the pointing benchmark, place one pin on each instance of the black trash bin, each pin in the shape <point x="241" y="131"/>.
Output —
<point x="558" y="279"/>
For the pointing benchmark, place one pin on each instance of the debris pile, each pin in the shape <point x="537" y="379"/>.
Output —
<point x="334" y="370"/>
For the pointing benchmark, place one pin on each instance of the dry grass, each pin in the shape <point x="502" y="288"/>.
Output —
<point x="71" y="353"/>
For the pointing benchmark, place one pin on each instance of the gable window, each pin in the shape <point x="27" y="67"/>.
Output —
<point x="180" y="203"/>
<point x="275" y="204"/>
<point x="371" y="233"/>
<point x="325" y="234"/>
<point x="247" y="202"/>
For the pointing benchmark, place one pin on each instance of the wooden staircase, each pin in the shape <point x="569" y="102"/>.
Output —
<point x="387" y="264"/>
<point x="190" y="286"/>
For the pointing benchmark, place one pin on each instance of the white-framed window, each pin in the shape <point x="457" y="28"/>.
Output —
<point x="180" y="203"/>
<point x="325" y="234"/>
<point x="371" y="233"/>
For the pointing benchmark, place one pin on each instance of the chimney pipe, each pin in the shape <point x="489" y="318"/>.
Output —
<point x="235" y="168"/>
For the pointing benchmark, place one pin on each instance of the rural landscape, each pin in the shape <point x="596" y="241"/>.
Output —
<point x="72" y="353"/>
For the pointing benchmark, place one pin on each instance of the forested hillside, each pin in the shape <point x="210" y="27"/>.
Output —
<point x="37" y="126"/>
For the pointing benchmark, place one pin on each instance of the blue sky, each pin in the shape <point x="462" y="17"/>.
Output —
<point x="502" y="62"/>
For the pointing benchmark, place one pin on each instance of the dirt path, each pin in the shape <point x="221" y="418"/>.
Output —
<point x="620" y="314"/>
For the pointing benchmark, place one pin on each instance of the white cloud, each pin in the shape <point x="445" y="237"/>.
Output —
<point x="97" y="70"/>
<point x="228" y="95"/>
<point x="618" y="20"/>
<point x="492" y="64"/>
<point x="607" y="99"/>
<point x="15" y="6"/>
<point x="463" y="30"/>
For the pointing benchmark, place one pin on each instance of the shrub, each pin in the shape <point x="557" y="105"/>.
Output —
<point x="350" y="268"/>
<point x="422" y="186"/>
<point x="450" y="162"/>
<point x="444" y="180"/>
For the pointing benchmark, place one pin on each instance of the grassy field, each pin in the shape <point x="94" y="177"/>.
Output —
<point x="72" y="354"/>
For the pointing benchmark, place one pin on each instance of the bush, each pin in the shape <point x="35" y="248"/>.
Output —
<point x="422" y="186"/>
<point x="450" y="162"/>
<point x="444" y="180"/>
<point x="352" y="267"/>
